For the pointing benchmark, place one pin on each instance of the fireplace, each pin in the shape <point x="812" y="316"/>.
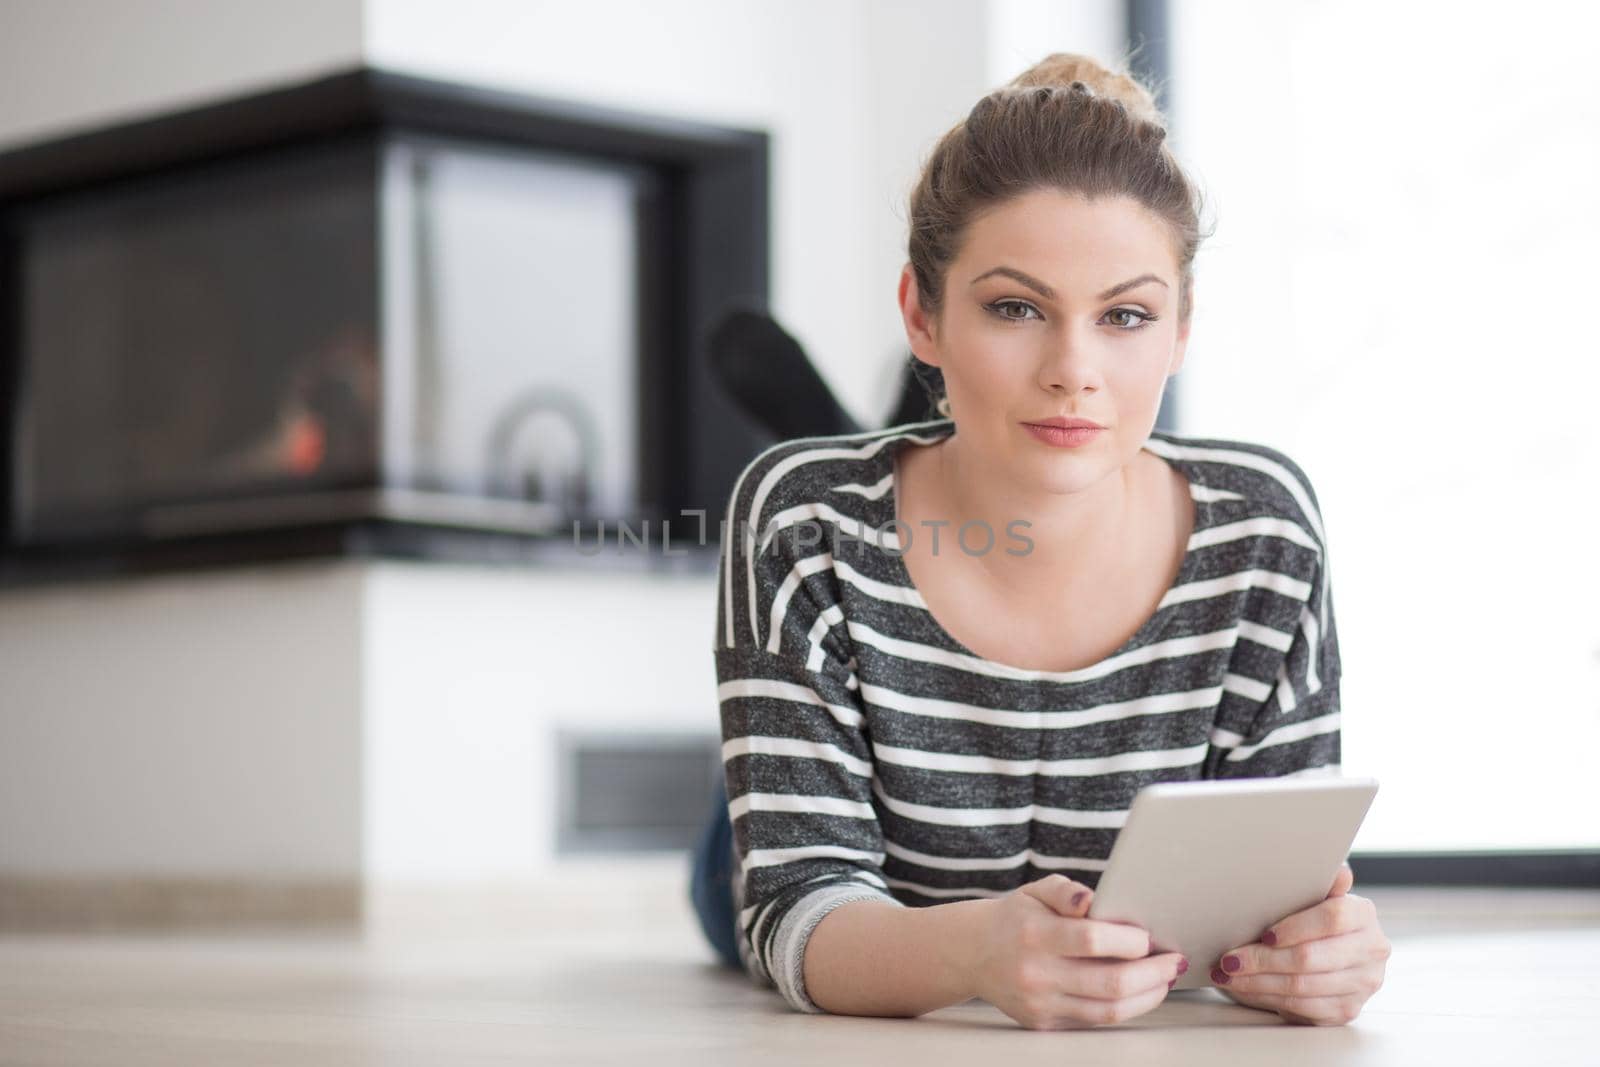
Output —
<point x="371" y="314"/>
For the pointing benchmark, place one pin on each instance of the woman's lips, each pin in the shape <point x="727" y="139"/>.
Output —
<point x="1064" y="437"/>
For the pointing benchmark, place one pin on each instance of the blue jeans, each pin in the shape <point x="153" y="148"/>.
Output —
<point x="711" y="878"/>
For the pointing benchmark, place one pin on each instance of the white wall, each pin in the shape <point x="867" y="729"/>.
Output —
<point x="392" y="723"/>
<point x="471" y="671"/>
<point x="207" y="725"/>
<point x="67" y="65"/>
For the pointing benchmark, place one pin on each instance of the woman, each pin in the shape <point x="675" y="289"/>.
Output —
<point x="949" y="653"/>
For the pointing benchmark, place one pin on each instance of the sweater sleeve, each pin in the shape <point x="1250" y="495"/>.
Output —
<point x="1296" y="729"/>
<point x="795" y="752"/>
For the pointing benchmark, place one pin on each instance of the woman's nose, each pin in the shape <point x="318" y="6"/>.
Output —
<point x="1068" y="361"/>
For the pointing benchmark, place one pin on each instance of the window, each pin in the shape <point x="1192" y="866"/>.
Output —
<point x="1405" y="243"/>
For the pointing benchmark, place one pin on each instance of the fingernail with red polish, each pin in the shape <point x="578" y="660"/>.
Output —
<point x="1183" y="966"/>
<point x="1231" y="963"/>
<point x="1269" y="938"/>
<point x="1077" y="898"/>
<point x="1218" y="976"/>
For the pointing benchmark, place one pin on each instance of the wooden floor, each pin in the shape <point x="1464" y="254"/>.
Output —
<point x="608" y="967"/>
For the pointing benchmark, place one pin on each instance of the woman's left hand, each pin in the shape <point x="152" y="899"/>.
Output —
<point x="1316" y="967"/>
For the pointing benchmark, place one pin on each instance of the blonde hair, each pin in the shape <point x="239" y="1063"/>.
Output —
<point x="1067" y="123"/>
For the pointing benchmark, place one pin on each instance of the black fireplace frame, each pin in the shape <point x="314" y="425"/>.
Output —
<point x="714" y="218"/>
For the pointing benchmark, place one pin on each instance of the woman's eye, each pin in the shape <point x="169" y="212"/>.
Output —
<point x="999" y="307"/>
<point x="1139" y="318"/>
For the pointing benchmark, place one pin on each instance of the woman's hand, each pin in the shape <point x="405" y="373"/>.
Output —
<point x="1045" y="965"/>
<point x="1315" y="967"/>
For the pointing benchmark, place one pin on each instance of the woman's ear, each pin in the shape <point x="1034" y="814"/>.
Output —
<point x="921" y="330"/>
<point x="1181" y="347"/>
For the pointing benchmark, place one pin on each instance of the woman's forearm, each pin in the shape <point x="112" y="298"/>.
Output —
<point x="869" y="957"/>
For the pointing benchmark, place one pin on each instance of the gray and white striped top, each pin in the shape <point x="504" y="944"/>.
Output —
<point x="869" y="755"/>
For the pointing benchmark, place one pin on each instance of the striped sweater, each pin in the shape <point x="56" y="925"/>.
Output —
<point x="869" y="755"/>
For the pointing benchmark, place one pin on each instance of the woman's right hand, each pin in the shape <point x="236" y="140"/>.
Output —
<point x="1047" y="966"/>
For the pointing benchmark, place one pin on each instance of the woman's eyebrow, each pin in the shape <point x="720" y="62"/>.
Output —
<point x="1050" y="294"/>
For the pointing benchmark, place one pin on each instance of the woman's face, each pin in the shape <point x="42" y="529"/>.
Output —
<point x="1056" y="305"/>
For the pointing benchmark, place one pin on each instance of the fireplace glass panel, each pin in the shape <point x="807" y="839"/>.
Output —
<point x="512" y="325"/>
<point x="200" y="336"/>
<point x="405" y="326"/>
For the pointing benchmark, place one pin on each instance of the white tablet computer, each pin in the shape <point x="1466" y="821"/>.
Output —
<point x="1207" y="866"/>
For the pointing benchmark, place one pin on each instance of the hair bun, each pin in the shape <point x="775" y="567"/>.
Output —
<point x="1078" y="73"/>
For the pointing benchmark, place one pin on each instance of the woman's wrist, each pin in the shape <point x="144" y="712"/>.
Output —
<point x="959" y="938"/>
<point x="867" y="958"/>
